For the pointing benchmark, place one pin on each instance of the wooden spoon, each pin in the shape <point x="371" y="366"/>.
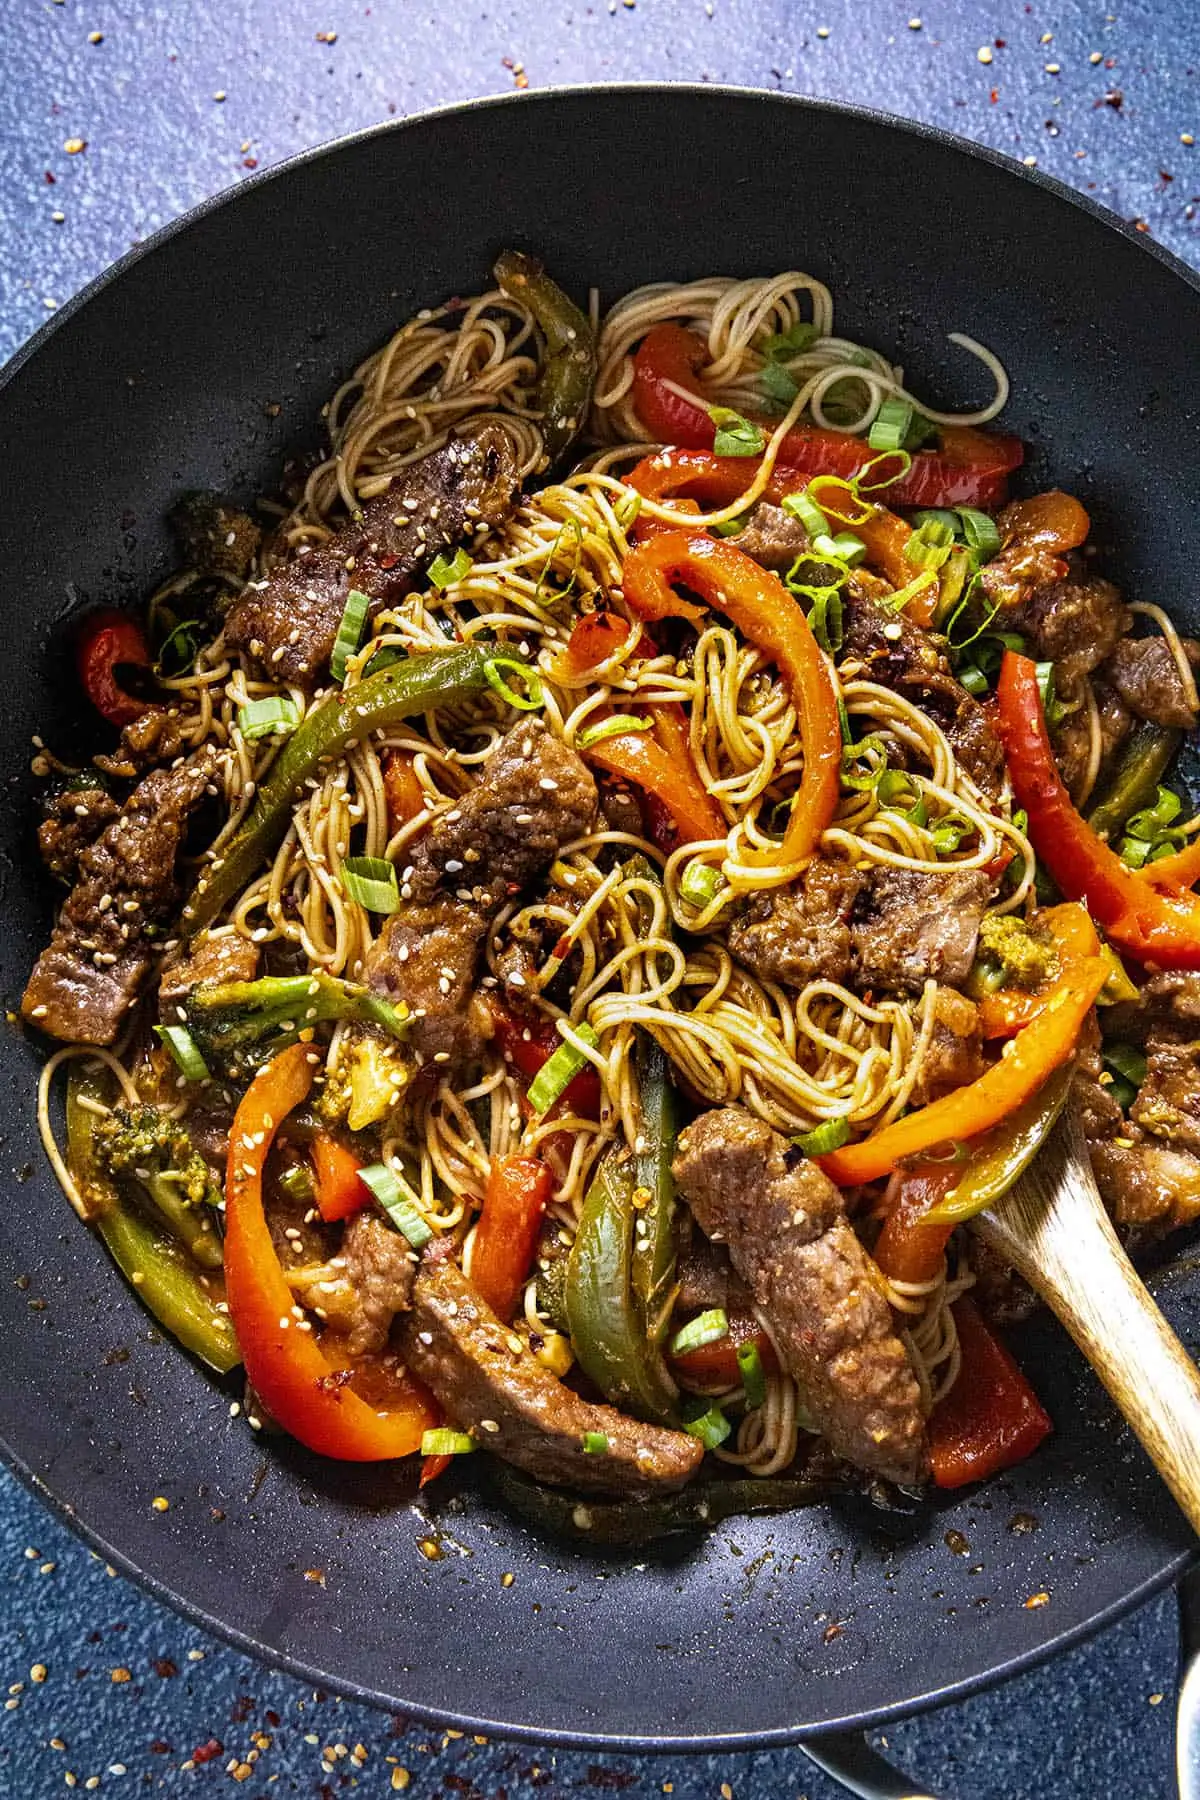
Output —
<point x="1053" y="1229"/>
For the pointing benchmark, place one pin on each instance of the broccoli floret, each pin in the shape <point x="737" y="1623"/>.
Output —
<point x="1012" y="954"/>
<point x="144" y="1146"/>
<point x="239" y="1025"/>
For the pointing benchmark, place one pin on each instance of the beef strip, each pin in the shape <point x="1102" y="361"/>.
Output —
<point x="358" y="1292"/>
<point x="899" y="655"/>
<point x="150" y="741"/>
<point x="491" y="1384"/>
<point x="1002" y="1295"/>
<point x="1148" y="1186"/>
<point x="1168" y="1101"/>
<point x="289" y="622"/>
<point x="1146" y="677"/>
<point x="789" y="1239"/>
<point x="1072" y="736"/>
<point x="226" y="957"/>
<point x="88" y="977"/>
<point x="535" y="797"/>
<point x="706" y="1278"/>
<point x="772" y="537"/>
<point x="801" y="934"/>
<point x="74" y="818"/>
<point x="1075" y="624"/>
<point x="954" y="1055"/>
<point x="1171" y="997"/>
<point x="912" y="925"/>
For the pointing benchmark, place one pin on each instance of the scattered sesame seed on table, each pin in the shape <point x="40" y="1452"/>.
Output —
<point x="116" y="118"/>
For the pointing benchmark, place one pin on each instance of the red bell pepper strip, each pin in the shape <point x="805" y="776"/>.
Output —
<point x="109" y="641"/>
<point x="711" y="1367"/>
<point x="506" y="1234"/>
<point x="527" y="1043"/>
<point x="1152" y="925"/>
<point x="403" y="792"/>
<point x="969" y="469"/>
<point x="1007" y="1011"/>
<point x="991" y="1418"/>
<point x="597" y="636"/>
<point x="770" y="618"/>
<point x="911" y="1246"/>
<point x="431" y="1468"/>
<point x="340" y="1194"/>
<point x="1024" y="1065"/>
<point x="640" y="758"/>
<point x="309" y="1395"/>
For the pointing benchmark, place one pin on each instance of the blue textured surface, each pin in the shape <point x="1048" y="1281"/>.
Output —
<point x="177" y="101"/>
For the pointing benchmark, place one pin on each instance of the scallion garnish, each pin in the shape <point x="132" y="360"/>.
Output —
<point x="615" y="726"/>
<point x="711" y="1427"/>
<point x="871" y="752"/>
<point x="595" y="1443"/>
<point x="442" y="1441"/>
<point x="896" y="789"/>
<point x="532" y="699"/>
<point x="754" y="1380"/>
<point x="349" y="636"/>
<point x="736" y="436"/>
<point x="183" y="1048"/>
<point x="445" y="570"/>
<point x="830" y="1135"/>
<point x="930" y="544"/>
<point x="297" y="1183"/>
<point x="177" y="652"/>
<point x="974" y="680"/>
<point x="981" y="533"/>
<point x="558" y="1072"/>
<point x="936" y="515"/>
<point x="398" y="1202"/>
<point x="264" y="718"/>
<point x="540" y="595"/>
<point x="906" y="595"/>
<point x="840" y="499"/>
<point x="778" y="383"/>
<point x="1127" y="1061"/>
<point x="792" y="342"/>
<point x="730" y="528"/>
<point x="1051" y="705"/>
<point x="706" y="1328"/>
<point x="371" y="881"/>
<point x="948" y="833"/>
<point x="701" y="883"/>
<point x="1152" y="821"/>
<point x="803" y="507"/>
<point x="881" y="472"/>
<point x="845" y="548"/>
<point x="890" y="426"/>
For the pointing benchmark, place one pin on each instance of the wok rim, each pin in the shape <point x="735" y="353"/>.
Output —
<point x="777" y="1737"/>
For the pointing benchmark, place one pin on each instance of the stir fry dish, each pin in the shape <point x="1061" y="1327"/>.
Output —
<point x="584" y="896"/>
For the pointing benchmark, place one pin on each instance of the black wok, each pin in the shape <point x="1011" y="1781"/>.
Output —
<point x="199" y="362"/>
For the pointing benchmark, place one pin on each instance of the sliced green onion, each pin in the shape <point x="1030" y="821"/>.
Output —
<point x="614" y="727"/>
<point x="845" y="547"/>
<point x="595" y="1443"/>
<point x="862" y="781"/>
<point x="706" y="1328"/>
<point x="559" y="1071"/>
<point x="823" y="1138"/>
<point x="904" y="596"/>
<point x="803" y="507"/>
<point x="920" y="432"/>
<point x="826" y="620"/>
<point x="894" y="785"/>
<point x="1153" y="821"/>
<point x="844" y="720"/>
<point x="1127" y="1061"/>
<point x="371" y="881"/>
<point x="711" y="1427"/>
<point x="890" y="426"/>
<point x="263" y="718"/>
<point x="793" y="342"/>
<point x="974" y="680"/>
<point x="778" y="383"/>
<point x="701" y="883"/>
<point x="1134" y="852"/>
<point x="980" y="531"/>
<point x="297" y="1183"/>
<point x="730" y="528"/>
<point x="441" y="1441"/>
<point x="948" y="833"/>
<point x="445" y="570"/>
<point x="349" y="636"/>
<point x="398" y="1202"/>
<point x="527" y="702"/>
<point x="754" y="1380"/>
<point x="1045" y="681"/>
<point x="540" y="594"/>
<point x="840" y="499"/>
<point x="183" y="1048"/>
<point x="936" y="515"/>
<point x="177" y="652"/>
<point x="883" y="471"/>
<point x="735" y="435"/>
<point x="930" y="545"/>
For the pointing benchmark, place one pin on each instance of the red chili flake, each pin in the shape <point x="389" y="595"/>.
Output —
<point x="1165" y="177"/>
<point x="160" y="1747"/>
<point x="249" y="162"/>
<point x="1114" y="98"/>
<point x="207" y="1752"/>
<point x="51" y="179"/>
<point x="995" y="95"/>
<point x="164" y="1667"/>
<point x="1141" y="225"/>
<point x="1001" y="43"/>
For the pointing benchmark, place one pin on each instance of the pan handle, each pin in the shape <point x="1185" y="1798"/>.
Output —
<point x="849" y="1758"/>
<point x="1187" y="1711"/>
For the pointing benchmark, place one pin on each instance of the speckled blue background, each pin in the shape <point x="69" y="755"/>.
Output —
<point x="172" y="102"/>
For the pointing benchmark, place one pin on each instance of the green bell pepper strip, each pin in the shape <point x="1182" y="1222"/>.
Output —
<point x="1148" y="753"/>
<point x="609" y="1332"/>
<point x="995" y="1165"/>
<point x="419" y="684"/>
<point x="164" y="1277"/>
<point x="565" y="389"/>
<point x="609" y="1523"/>
<point x="654" y="1245"/>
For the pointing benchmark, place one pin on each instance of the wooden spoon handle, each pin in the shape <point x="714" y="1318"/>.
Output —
<point x="1054" y="1230"/>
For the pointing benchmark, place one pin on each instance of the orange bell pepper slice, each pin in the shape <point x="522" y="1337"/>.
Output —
<point x="911" y="1245"/>
<point x="991" y="1418"/>
<point x="403" y="792"/>
<point x="1152" y="924"/>
<point x="640" y="758"/>
<point x="311" y="1397"/>
<point x="770" y="618"/>
<point x="1179" y="871"/>
<point x="1026" y="1061"/>
<point x="340" y="1194"/>
<point x="506" y="1234"/>
<point x="1010" y="1009"/>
